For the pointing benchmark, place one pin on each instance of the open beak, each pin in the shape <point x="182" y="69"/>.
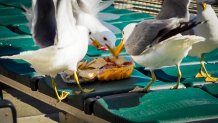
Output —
<point x="117" y="50"/>
<point x="98" y="45"/>
<point x="204" y="6"/>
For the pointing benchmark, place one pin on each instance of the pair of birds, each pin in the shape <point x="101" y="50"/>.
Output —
<point x="63" y="29"/>
<point x="163" y="41"/>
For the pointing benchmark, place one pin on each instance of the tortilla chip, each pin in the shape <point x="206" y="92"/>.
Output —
<point x="115" y="73"/>
<point x="82" y="65"/>
<point x="97" y="63"/>
<point x="88" y="74"/>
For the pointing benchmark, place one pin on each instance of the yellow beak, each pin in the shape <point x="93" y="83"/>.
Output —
<point x="117" y="50"/>
<point x="204" y="6"/>
<point x="95" y="43"/>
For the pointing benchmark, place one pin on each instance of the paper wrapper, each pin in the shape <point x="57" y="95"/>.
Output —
<point x="116" y="73"/>
<point x="104" y="69"/>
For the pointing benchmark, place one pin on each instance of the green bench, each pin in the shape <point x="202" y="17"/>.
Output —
<point x="111" y="100"/>
<point x="182" y="105"/>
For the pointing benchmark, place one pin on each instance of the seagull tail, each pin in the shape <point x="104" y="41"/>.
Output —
<point x="193" y="39"/>
<point x="24" y="56"/>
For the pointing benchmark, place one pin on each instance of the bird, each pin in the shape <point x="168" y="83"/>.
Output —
<point x="178" y="9"/>
<point x="87" y="13"/>
<point x="211" y="2"/>
<point x="209" y="32"/>
<point x="70" y="46"/>
<point x="89" y="16"/>
<point x="174" y="8"/>
<point x="158" y="43"/>
<point x="42" y="22"/>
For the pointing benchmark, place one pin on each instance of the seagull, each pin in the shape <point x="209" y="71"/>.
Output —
<point x="42" y="22"/>
<point x="89" y="16"/>
<point x="158" y="43"/>
<point x="174" y="8"/>
<point x="70" y="47"/>
<point x="209" y="32"/>
<point x="211" y="2"/>
<point x="43" y="26"/>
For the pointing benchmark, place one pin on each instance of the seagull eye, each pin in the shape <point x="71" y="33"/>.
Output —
<point x="105" y="38"/>
<point x="123" y="32"/>
<point x="90" y="33"/>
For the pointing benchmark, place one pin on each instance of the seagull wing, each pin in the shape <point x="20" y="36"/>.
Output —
<point x="103" y="5"/>
<point x="66" y="23"/>
<point x="107" y="16"/>
<point x="174" y="8"/>
<point x="44" y="23"/>
<point x="211" y="2"/>
<point x="150" y="33"/>
<point x="144" y="34"/>
<point x="111" y="27"/>
<point x="94" y="6"/>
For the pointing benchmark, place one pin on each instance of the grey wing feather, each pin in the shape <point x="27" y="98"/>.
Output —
<point x="144" y="34"/>
<point x="44" y="30"/>
<point x="211" y="2"/>
<point x="174" y="8"/>
<point x="173" y="28"/>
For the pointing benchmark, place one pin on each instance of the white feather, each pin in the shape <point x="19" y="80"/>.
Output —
<point x="103" y="5"/>
<point x="107" y="16"/>
<point x="208" y="30"/>
<point x="89" y="17"/>
<point x="111" y="27"/>
<point x="71" y="47"/>
<point x="169" y="52"/>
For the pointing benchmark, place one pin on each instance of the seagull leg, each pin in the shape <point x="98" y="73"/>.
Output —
<point x="209" y="78"/>
<point x="63" y="95"/>
<point x="201" y="73"/>
<point x="205" y="74"/>
<point x="179" y="77"/>
<point x="146" y="88"/>
<point x="78" y="83"/>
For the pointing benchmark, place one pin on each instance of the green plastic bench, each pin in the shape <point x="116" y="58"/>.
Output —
<point x="182" y="105"/>
<point x="111" y="100"/>
<point x="211" y="89"/>
<point x="188" y="74"/>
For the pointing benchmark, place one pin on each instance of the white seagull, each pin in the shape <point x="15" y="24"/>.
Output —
<point x="70" y="47"/>
<point x="89" y="16"/>
<point x="157" y="43"/>
<point x="88" y="13"/>
<point x="209" y="32"/>
<point x="174" y="8"/>
<point x="211" y="2"/>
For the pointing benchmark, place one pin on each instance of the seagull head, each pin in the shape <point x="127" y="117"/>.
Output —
<point x="126" y="33"/>
<point x="201" y="5"/>
<point x="103" y="40"/>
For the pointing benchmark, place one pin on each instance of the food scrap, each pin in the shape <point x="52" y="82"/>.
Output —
<point x="105" y="69"/>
